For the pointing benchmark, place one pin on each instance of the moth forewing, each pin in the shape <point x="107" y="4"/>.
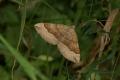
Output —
<point x="43" y="32"/>
<point x="68" y="54"/>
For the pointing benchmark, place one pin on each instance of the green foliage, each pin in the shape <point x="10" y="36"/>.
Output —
<point x="38" y="60"/>
<point x="23" y="62"/>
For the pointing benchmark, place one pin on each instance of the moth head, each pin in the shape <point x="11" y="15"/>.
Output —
<point x="38" y="25"/>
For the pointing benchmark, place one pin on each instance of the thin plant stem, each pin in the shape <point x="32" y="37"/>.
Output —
<point x="20" y="37"/>
<point x="116" y="61"/>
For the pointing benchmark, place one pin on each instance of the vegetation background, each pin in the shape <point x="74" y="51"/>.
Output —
<point x="24" y="55"/>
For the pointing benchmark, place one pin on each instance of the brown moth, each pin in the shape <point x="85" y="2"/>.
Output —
<point x="63" y="36"/>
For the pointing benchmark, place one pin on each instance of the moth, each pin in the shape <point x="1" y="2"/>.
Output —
<point x="63" y="36"/>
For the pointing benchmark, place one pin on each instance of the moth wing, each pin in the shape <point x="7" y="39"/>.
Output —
<point x="43" y="32"/>
<point x="63" y="36"/>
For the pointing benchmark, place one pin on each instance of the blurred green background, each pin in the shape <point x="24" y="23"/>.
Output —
<point x="38" y="60"/>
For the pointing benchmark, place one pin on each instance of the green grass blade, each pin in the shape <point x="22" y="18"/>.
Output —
<point x="28" y="68"/>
